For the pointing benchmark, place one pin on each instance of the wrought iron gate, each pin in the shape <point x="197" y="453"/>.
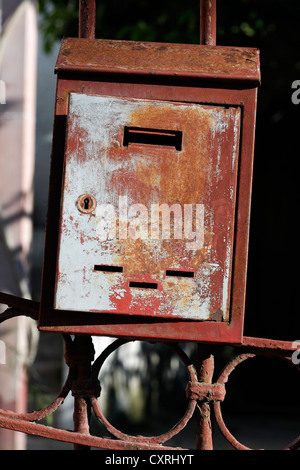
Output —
<point x="203" y="391"/>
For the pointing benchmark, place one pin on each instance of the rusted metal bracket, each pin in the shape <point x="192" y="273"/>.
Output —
<point x="204" y="392"/>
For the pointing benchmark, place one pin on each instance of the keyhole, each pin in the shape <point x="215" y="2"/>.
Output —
<point x="86" y="203"/>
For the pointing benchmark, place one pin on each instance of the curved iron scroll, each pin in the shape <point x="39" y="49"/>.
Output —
<point x="82" y="381"/>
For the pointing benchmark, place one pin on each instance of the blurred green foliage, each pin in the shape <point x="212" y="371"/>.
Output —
<point x="138" y="20"/>
<point x="173" y="20"/>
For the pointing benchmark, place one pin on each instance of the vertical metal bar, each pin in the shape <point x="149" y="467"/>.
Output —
<point x="205" y="362"/>
<point x="81" y="417"/>
<point x="205" y="370"/>
<point x="208" y="20"/>
<point x="83" y="354"/>
<point x="87" y="18"/>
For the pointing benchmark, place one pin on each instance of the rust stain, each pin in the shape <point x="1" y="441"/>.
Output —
<point x="178" y="173"/>
<point x="78" y="146"/>
<point x="165" y="175"/>
<point x="217" y="315"/>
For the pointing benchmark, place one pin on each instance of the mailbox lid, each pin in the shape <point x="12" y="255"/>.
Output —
<point x="235" y="64"/>
<point x="201" y="173"/>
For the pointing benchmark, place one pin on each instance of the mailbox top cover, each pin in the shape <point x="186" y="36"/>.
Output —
<point x="234" y="64"/>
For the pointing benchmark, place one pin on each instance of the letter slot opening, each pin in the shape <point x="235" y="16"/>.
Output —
<point x="167" y="138"/>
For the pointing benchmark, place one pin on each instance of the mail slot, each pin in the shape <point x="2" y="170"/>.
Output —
<point x="149" y="200"/>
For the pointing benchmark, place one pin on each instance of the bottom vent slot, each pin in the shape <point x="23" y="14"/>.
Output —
<point x="108" y="269"/>
<point x="173" y="272"/>
<point x="143" y="285"/>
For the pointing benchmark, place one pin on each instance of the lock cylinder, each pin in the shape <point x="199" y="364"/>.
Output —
<point x="86" y="203"/>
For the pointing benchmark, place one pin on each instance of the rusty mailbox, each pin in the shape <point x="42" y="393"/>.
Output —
<point x="149" y="200"/>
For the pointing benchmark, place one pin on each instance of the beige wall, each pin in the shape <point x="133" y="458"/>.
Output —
<point x="18" y="48"/>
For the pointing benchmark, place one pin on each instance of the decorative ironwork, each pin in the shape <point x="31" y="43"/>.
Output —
<point x="83" y="383"/>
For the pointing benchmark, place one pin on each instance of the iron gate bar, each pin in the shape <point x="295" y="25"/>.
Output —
<point x="205" y="370"/>
<point x="208" y="19"/>
<point x="76" y="438"/>
<point x="265" y="343"/>
<point x="87" y="19"/>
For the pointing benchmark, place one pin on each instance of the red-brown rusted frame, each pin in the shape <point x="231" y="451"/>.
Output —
<point x="171" y="88"/>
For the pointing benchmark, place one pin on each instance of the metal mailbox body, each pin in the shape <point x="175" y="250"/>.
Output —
<point x="150" y="185"/>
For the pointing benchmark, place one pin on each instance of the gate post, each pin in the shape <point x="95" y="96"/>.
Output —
<point x="205" y="360"/>
<point x="208" y="15"/>
<point x="87" y="19"/>
<point x="80" y="354"/>
<point x="205" y="370"/>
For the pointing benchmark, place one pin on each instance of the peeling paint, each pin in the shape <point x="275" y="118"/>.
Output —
<point x="203" y="172"/>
